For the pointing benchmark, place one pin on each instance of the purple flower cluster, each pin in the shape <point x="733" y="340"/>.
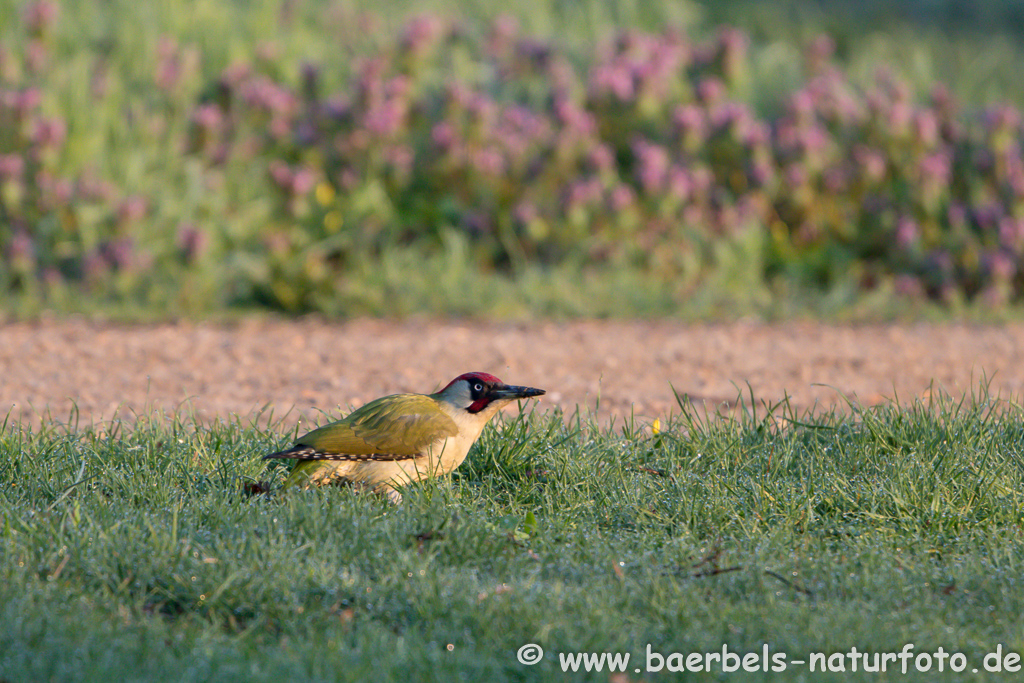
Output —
<point x="639" y="158"/>
<point x="644" y="153"/>
<point x="925" y="192"/>
<point x="55" y="228"/>
<point x="649" y="155"/>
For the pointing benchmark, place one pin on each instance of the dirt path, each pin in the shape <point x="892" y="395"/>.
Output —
<point x="304" y="366"/>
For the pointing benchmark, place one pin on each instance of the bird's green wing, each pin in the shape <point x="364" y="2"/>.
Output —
<point x="399" y="425"/>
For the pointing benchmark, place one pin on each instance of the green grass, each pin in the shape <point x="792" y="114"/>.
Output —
<point x="133" y="551"/>
<point x="968" y="47"/>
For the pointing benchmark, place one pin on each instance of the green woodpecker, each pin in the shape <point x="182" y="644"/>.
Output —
<point x="398" y="439"/>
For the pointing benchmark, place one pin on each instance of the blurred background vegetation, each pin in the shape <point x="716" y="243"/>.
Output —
<point x="603" y="157"/>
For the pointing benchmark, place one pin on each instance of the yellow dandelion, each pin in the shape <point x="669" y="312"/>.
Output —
<point x="324" y="193"/>
<point x="333" y="221"/>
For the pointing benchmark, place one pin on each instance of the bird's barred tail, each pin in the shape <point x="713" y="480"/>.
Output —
<point x="301" y="452"/>
<point x="294" y="453"/>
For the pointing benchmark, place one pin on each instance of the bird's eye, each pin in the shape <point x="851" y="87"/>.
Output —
<point x="478" y="387"/>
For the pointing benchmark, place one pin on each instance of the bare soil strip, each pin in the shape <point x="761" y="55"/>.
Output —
<point x="302" y="368"/>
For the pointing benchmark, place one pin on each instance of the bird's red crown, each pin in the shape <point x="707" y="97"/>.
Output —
<point x="475" y="377"/>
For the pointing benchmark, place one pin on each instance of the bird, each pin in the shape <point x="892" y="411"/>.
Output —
<point x="398" y="439"/>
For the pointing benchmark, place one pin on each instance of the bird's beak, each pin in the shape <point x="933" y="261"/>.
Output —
<point x="510" y="392"/>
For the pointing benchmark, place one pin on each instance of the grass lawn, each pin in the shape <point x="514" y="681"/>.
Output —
<point x="135" y="553"/>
